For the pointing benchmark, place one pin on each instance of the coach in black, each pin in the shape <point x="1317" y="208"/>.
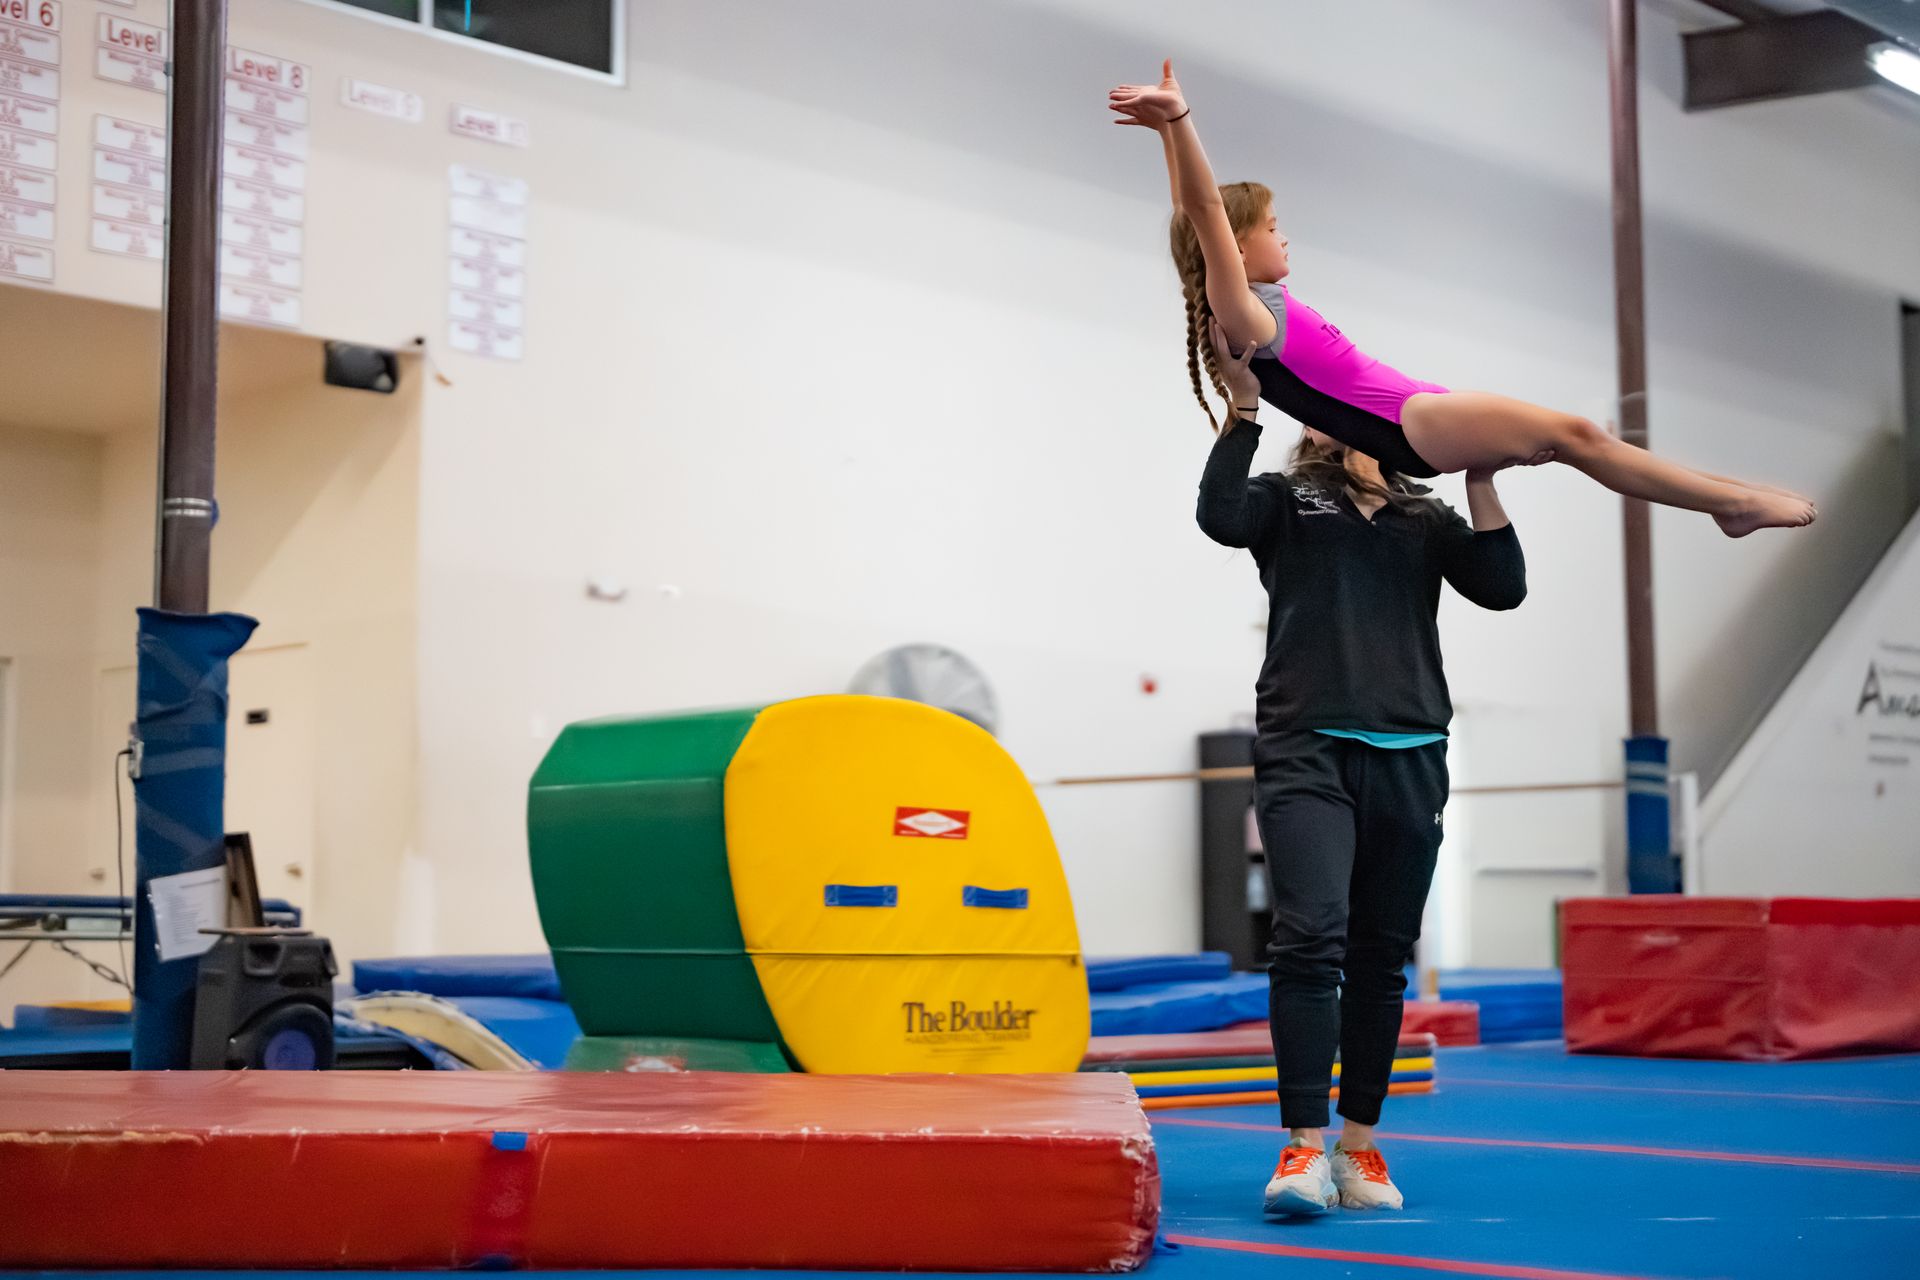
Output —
<point x="1350" y="768"/>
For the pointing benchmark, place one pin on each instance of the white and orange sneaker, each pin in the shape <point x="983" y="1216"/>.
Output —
<point x="1302" y="1182"/>
<point x="1361" y="1178"/>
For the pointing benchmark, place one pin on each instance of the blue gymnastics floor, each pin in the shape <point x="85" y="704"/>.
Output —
<point x="1534" y="1165"/>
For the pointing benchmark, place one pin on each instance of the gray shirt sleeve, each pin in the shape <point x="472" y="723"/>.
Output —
<point x="1276" y="299"/>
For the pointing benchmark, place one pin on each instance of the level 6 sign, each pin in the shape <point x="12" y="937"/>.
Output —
<point x="41" y="14"/>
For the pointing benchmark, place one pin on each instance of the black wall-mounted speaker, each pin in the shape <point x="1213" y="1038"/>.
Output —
<point x="362" y="368"/>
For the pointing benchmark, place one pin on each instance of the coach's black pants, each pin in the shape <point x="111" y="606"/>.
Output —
<point x="1351" y="833"/>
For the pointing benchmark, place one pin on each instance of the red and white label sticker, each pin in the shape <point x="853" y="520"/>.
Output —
<point x="26" y="261"/>
<point x="932" y="824"/>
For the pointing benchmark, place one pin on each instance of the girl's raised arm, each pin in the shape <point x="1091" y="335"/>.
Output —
<point x="1164" y="109"/>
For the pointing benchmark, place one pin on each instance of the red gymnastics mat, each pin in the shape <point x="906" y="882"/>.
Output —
<point x="1762" y="979"/>
<point x="430" y="1169"/>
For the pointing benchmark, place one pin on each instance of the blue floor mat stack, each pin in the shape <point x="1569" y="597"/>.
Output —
<point x="1515" y="1004"/>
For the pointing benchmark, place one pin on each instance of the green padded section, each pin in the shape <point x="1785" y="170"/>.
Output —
<point x="626" y="827"/>
<point x="645" y="1053"/>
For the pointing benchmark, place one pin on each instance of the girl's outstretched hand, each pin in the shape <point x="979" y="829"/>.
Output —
<point x="1242" y="383"/>
<point x="1149" y="105"/>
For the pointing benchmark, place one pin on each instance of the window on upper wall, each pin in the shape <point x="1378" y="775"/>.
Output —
<point x="573" y="33"/>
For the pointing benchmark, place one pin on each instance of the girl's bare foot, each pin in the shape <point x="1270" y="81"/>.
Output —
<point x="1766" y="510"/>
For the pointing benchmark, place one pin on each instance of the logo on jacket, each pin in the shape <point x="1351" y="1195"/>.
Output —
<point x="1313" y="500"/>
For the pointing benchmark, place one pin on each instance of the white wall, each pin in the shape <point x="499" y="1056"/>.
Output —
<point x="1824" y="801"/>
<point x="852" y="322"/>
<point x="49" y="509"/>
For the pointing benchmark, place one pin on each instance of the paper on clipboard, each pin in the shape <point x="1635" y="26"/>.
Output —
<point x="183" y="905"/>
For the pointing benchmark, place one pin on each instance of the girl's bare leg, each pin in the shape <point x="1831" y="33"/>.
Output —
<point x="1461" y="430"/>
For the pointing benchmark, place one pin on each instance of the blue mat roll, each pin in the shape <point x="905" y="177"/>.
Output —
<point x="524" y="977"/>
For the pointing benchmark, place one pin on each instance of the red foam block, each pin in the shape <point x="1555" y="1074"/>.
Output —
<point x="1449" y="1022"/>
<point x="1752" y="978"/>
<point x="428" y="1169"/>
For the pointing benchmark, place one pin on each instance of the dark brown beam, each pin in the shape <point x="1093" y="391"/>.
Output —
<point x="1630" y="331"/>
<point x="191" y="306"/>
<point x="1783" y="57"/>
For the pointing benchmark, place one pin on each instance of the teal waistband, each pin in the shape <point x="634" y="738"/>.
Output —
<point x="1391" y="741"/>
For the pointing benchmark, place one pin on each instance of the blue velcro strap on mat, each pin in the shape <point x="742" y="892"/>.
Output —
<point x="1132" y="971"/>
<point x="863" y="895"/>
<point x="1010" y="899"/>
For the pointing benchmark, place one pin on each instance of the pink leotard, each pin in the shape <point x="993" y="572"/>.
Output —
<point x="1326" y="359"/>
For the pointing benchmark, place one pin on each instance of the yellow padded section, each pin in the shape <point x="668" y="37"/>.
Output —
<point x="883" y="795"/>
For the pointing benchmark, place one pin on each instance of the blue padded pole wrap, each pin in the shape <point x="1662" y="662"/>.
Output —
<point x="179" y="796"/>
<point x="1650" y="861"/>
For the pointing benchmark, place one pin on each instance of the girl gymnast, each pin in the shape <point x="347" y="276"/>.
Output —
<point x="1232" y="258"/>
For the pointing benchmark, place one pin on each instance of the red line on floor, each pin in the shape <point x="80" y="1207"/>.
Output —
<point x="1451" y="1265"/>
<point x="1698" y="1093"/>
<point x="1599" y="1148"/>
